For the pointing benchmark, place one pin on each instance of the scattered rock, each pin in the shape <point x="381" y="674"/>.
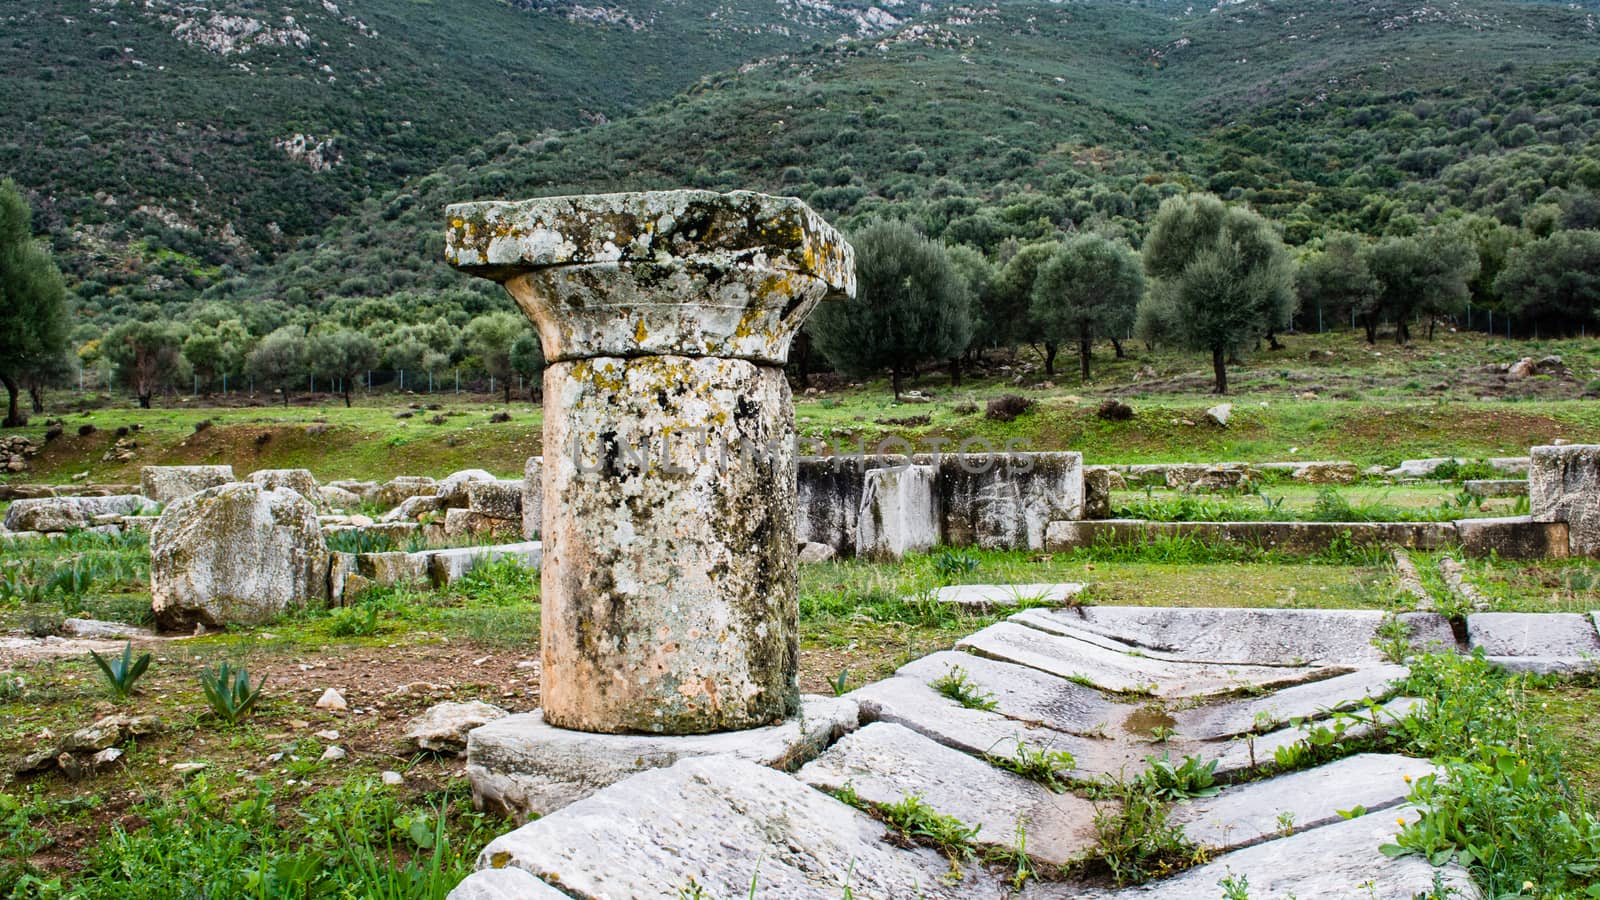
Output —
<point x="443" y="728"/>
<point x="332" y="700"/>
<point x="188" y="768"/>
<point x="327" y="735"/>
<point x="56" y="514"/>
<point x="393" y="778"/>
<point x="165" y="484"/>
<point x="334" y="754"/>
<point x="1218" y="415"/>
<point x="300" y="481"/>
<point x="812" y="552"/>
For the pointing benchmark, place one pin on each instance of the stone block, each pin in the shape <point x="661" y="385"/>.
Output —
<point x="460" y="522"/>
<point x="236" y="554"/>
<point x="1303" y="538"/>
<point x="533" y="498"/>
<point x="395" y="491"/>
<point x="452" y="491"/>
<point x="301" y="481"/>
<point x="1021" y="693"/>
<point x="884" y="763"/>
<point x="899" y="512"/>
<point x="1511" y="465"/>
<point x="523" y="765"/>
<point x="1536" y="642"/>
<point x="1004" y="501"/>
<point x="1233" y="718"/>
<point x="55" y="514"/>
<point x="445" y="567"/>
<point x="392" y="568"/>
<point x="1098" y="483"/>
<point x="504" y="884"/>
<point x="720" y="824"/>
<point x="1326" y="473"/>
<point x="1514" y="537"/>
<point x="828" y="502"/>
<point x="164" y="484"/>
<point x="412" y="509"/>
<point x="1564" y="486"/>
<point x="496" y="499"/>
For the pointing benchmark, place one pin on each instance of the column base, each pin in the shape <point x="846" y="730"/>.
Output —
<point x="523" y="767"/>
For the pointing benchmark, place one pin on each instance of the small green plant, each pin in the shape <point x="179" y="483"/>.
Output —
<point x="914" y="819"/>
<point x="1160" y="734"/>
<point x="955" y="685"/>
<point x="351" y="621"/>
<point x="1136" y="841"/>
<point x="840" y="682"/>
<point x="121" y="672"/>
<point x="228" y="691"/>
<point x="1393" y="638"/>
<point x="360" y="540"/>
<point x="1167" y="780"/>
<point x="951" y="564"/>
<point x="1234" y="887"/>
<point x="1043" y="766"/>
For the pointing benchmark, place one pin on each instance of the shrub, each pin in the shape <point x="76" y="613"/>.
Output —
<point x="1007" y="408"/>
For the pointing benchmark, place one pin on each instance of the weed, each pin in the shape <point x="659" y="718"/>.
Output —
<point x="354" y="621"/>
<point x="914" y="819"/>
<point x="840" y="682"/>
<point x="122" y="671"/>
<point x="1135" y="839"/>
<point x="360" y="540"/>
<point x="229" y="693"/>
<point x="955" y="685"/>
<point x="1168" y="781"/>
<point x="1393" y="638"/>
<point x="1234" y="887"/>
<point x="950" y="565"/>
<point x="1043" y="766"/>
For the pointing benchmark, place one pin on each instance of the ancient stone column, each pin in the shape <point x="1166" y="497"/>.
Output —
<point x="669" y="592"/>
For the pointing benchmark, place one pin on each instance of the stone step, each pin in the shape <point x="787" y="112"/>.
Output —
<point x="1339" y="860"/>
<point x="721" y="825"/>
<point x="1247" y="814"/>
<point x="912" y="703"/>
<point x="1110" y="670"/>
<point x="1022" y="693"/>
<point x="1305" y="701"/>
<point x="1241" y="754"/>
<point x="884" y="763"/>
<point x="1282" y="637"/>
<point x="527" y="767"/>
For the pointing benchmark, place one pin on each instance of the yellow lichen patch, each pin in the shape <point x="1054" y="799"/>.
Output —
<point x="641" y="333"/>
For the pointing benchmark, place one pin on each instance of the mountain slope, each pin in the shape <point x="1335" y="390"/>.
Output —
<point x="163" y="141"/>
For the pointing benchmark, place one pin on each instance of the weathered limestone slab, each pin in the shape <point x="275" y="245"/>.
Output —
<point x="1248" y="753"/>
<point x="828" y="502"/>
<point x="1421" y="468"/>
<point x="1326" y="472"/>
<point x="1204" y="478"/>
<point x="913" y="703"/>
<point x="884" y="763"/>
<point x="445" y="567"/>
<point x="1287" y="537"/>
<point x="392" y="568"/>
<point x="718" y="824"/>
<point x="51" y="514"/>
<point x="1119" y="672"/>
<point x="1273" y="637"/>
<point x="1305" y="701"/>
<point x="338" y="498"/>
<point x="523" y="765"/>
<point x="1499" y="487"/>
<point x="1021" y="693"/>
<point x="1005" y="501"/>
<point x="1514" y="537"/>
<point x="533" y="498"/>
<point x="1537" y="642"/>
<point x="985" y="597"/>
<point x="1564" y="486"/>
<point x="413" y="508"/>
<point x="1098" y="484"/>
<point x="504" y="884"/>
<point x="460" y="522"/>
<point x="1247" y="814"/>
<point x="1337" y="860"/>
<point x="443" y="727"/>
<point x="899" y="512"/>
<point x="164" y="484"/>
<point x="236" y="554"/>
<point x="301" y="481"/>
<point x="1511" y="465"/>
<point x="397" y="490"/>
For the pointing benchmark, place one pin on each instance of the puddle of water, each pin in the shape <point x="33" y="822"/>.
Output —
<point x="1146" y="719"/>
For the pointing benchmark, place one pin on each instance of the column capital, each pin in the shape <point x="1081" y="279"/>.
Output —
<point x="687" y="273"/>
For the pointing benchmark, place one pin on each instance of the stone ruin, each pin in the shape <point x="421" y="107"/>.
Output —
<point x="669" y="585"/>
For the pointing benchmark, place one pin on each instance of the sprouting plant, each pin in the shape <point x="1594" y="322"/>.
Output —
<point x="951" y="564"/>
<point x="913" y="818"/>
<point x="1160" y="734"/>
<point x="1136" y="840"/>
<point x="122" y="671"/>
<point x="1043" y="766"/>
<point x="1234" y="887"/>
<point x="229" y="693"/>
<point x="354" y="622"/>
<point x="840" y="682"/>
<point x="1286" y="822"/>
<point x="955" y="685"/>
<point x="1393" y="638"/>
<point x="1273" y="504"/>
<point x="1176" y="781"/>
<point x="360" y="540"/>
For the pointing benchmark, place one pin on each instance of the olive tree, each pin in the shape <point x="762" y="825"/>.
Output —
<point x="33" y="303"/>
<point x="342" y="356"/>
<point x="911" y="306"/>
<point x="1222" y="278"/>
<point x="1338" y="280"/>
<point x="280" y="360"/>
<point x="148" y="356"/>
<point x="1426" y="275"/>
<point x="1089" y="288"/>
<point x="489" y="338"/>
<point x="1554" y="281"/>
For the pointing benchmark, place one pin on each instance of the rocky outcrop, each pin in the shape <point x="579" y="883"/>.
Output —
<point x="164" y="484"/>
<point x="237" y="553"/>
<point x="68" y="513"/>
